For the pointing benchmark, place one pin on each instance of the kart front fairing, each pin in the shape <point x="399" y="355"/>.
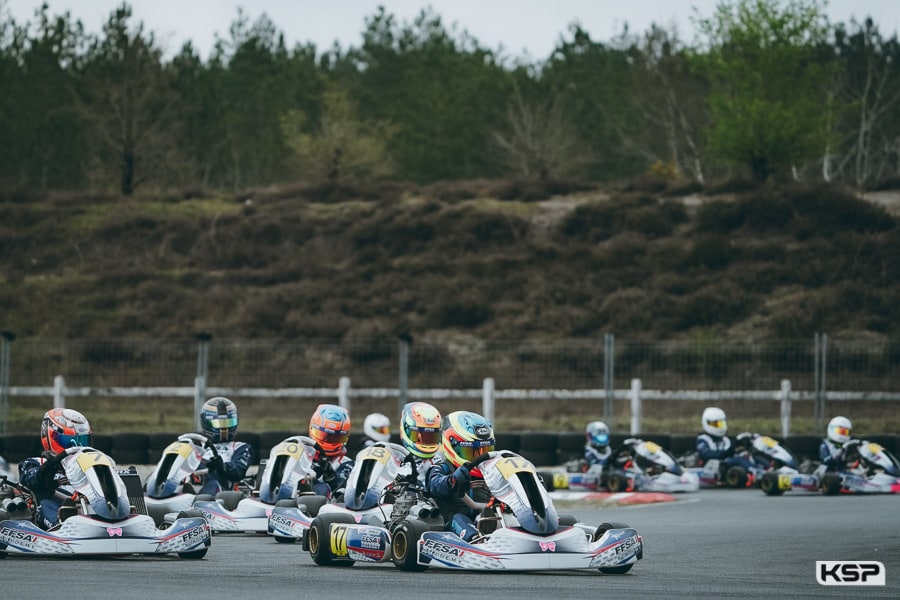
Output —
<point x="94" y="478"/>
<point x="290" y="462"/>
<point x="513" y="481"/>
<point x="180" y="460"/>
<point x="376" y="467"/>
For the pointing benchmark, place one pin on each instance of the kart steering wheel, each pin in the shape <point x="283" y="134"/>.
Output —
<point x="202" y="440"/>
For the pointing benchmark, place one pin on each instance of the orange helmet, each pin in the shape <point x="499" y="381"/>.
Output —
<point x="64" y="428"/>
<point x="420" y="429"/>
<point x="330" y="427"/>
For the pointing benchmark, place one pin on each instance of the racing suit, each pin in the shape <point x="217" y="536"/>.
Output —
<point x="43" y="481"/>
<point x="225" y="473"/>
<point x="834" y="456"/>
<point x="720" y="448"/>
<point x="331" y="473"/>
<point x="597" y="456"/>
<point x="447" y="484"/>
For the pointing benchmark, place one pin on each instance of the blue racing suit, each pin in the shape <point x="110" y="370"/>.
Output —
<point x="720" y="448"/>
<point x="834" y="456"/>
<point x="447" y="484"/>
<point x="43" y="477"/>
<point x="331" y="473"/>
<point x="234" y="460"/>
<point x="596" y="456"/>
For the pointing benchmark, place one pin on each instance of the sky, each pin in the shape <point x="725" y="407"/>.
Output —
<point x="521" y="28"/>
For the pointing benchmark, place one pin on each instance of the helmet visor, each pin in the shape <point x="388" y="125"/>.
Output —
<point x="223" y="422"/>
<point x="331" y="437"/>
<point x="425" y="436"/>
<point x="841" y="431"/>
<point x="718" y="423"/>
<point x="385" y="429"/>
<point x="469" y="451"/>
<point x="72" y="441"/>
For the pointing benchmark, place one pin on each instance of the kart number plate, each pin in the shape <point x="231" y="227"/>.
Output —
<point x="86" y="460"/>
<point x="784" y="481"/>
<point x="509" y="466"/>
<point x="182" y="449"/>
<point x="378" y="453"/>
<point x="288" y="449"/>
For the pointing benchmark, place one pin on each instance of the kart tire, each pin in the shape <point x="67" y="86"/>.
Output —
<point x="603" y="528"/>
<point x="194" y="554"/>
<point x="311" y="504"/>
<point x="286" y="502"/>
<point x="204" y="498"/>
<point x="404" y="544"/>
<point x="769" y="485"/>
<point x="736" y="477"/>
<point x="192" y="513"/>
<point x="321" y="544"/>
<point x="230" y="498"/>
<point x="831" y="484"/>
<point x="567" y="520"/>
<point x="616" y="482"/>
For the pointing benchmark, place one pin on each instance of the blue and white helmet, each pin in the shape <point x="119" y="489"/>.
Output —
<point x="597" y="434"/>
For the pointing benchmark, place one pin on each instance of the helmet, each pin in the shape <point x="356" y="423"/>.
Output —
<point x="466" y="436"/>
<point x="839" y="429"/>
<point x="63" y="428"/>
<point x="330" y="427"/>
<point x="597" y="434"/>
<point x="219" y="419"/>
<point x="714" y="421"/>
<point x="378" y="427"/>
<point x="420" y="429"/>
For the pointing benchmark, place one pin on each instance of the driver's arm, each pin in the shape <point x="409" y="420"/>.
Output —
<point x="236" y="468"/>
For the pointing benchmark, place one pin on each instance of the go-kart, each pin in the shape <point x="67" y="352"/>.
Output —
<point x="519" y="529"/>
<point x="871" y="469"/>
<point x="285" y="476"/>
<point x="103" y="514"/>
<point x="644" y="466"/>
<point x="170" y="488"/>
<point x="754" y="455"/>
<point x="368" y="493"/>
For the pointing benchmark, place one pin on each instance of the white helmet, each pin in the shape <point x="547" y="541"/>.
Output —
<point x="597" y="434"/>
<point x="839" y="429"/>
<point x="714" y="421"/>
<point x="377" y="427"/>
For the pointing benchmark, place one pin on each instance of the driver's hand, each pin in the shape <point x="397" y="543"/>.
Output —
<point x="461" y="479"/>
<point x="215" y="464"/>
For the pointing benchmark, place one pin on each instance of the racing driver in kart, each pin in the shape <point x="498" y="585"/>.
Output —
<point x="61" y="428"/>
<point x="466" y="436"/>
<point x="219" y="420"/>
<point x="330" y="428"/>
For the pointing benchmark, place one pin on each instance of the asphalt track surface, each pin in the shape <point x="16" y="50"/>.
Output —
<point x="713" y="543"/>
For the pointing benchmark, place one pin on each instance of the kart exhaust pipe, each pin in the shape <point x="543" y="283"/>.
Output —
<point x="424" y="513"/>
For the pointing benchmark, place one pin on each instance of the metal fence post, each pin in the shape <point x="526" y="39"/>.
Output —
<point x="609" y="361"/>
<point x="344" y="393"/>
<point x="202" y="371"/>
<point x="821" y="352"/>
<point x="5" y="338"/>
<point x="59" y="392"/>
<point x="785" y="407"/>
<point x="635" y="406"/>
<point x="403" y="378"/>
<point x="487" y="399"/>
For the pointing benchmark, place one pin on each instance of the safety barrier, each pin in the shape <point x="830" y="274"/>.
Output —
<point x="543" y="448"/>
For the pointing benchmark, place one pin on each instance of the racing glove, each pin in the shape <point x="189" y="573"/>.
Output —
<point x="461" y="479"/>
<point x="215" y="464"/>
<point x="325" y="470"/>
<point x="46" y="475"/>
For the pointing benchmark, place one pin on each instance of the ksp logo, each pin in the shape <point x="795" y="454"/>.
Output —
<point x="848" y="572"/>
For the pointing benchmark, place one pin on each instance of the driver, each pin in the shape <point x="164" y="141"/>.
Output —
<point x="330" y="428"/>
<point x="466" y="436"/>
<point x="596" y="448"/>
<point x="713" y="443"/>
<point x="377" y="428"/>
<point x="61" y="428"/>
<point x="219" y="420"/>
<point x="835" y="447"/>
<point x="420" y="434"/>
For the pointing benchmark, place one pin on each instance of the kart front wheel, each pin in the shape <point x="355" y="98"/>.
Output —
<point x="193" y="555"/>
<point x="616" y="483"/>
<point x="603" y="528"/>
<point x="327" y="540"/>
<point x="404" y="545"/>
<point x="831" y="484"/>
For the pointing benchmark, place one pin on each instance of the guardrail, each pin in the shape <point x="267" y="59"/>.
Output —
<point x="488" y="394"/>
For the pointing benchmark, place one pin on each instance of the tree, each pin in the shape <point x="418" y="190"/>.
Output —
<point x="767" y="90"/>
<point x="127" y="99"/>
<point x="341" y="148"/>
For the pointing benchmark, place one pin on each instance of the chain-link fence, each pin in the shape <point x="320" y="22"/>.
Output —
<point x="702" y="366"/>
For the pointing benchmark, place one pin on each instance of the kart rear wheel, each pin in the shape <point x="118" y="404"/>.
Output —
<point x="616" y="482"/>
<point x="736" y="477"/>
<point x="327" y="541"/>
<point x="603" y="528"/>
<point x="311" y="504"/>
<point x="769" y="485"/>
<point x="547" y="478"/>
<point x="404" y="544"/>
<point x="831" y="484"/>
